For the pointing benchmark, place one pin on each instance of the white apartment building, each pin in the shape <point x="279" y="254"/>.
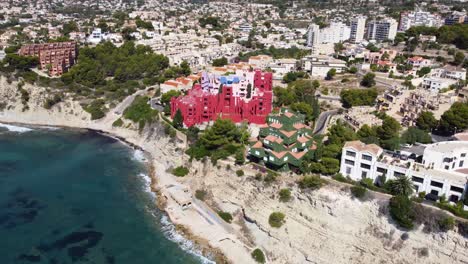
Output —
<point x="358" y="26"/>
<point x="382" y="30"/>
<point x="313" y="34"/>
<point x="442" y="171"/>
<point x="444" y="77"/>
<point x="419" y="18"/>
<point x="335" y="33"/>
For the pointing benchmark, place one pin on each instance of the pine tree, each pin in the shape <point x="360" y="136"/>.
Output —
<point x="178" y="121"/>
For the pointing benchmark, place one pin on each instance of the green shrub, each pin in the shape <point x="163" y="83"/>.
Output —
<point x="276" y="219"/>
<point x="239" y="173"/>
<point x="96" y="108"/>
<point x="225" y="216"/>
<point x="339" y="177"/>
<point x="358" y="191"/>
<point x="401" y="210"/>
<point x="270" y="177"/>
<point x="200" y="195"/>
<point x="140" y="110"/>
<point x="52" y="101"/>
<point x="117" y="123"/>
<point x="258" y="255"/>
<point x="180" y="171"/>
<point x="258" y="176"/>
<point x="311" y="182"/>
<point x="284" y="195"/>
<point x="446" y="224"/>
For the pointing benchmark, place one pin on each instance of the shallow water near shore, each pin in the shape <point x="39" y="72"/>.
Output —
<point x="79" y="197"/>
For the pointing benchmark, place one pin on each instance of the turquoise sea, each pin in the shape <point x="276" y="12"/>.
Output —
<point x="79" y="197"/>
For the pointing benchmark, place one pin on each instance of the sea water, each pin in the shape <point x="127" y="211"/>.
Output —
<point x="80" y="197"/>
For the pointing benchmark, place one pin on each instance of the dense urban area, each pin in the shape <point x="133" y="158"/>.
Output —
<point x="370" y="96"/>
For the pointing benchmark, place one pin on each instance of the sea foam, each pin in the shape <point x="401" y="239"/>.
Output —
<point x="17" y="129"/>
<point x="139" y="155"/>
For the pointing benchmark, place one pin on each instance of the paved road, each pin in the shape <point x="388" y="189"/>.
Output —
<point x="322" y="121"/>
<point x="118" y="110"/>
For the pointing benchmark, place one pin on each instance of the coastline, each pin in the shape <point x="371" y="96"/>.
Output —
<point x="203" y="247"/>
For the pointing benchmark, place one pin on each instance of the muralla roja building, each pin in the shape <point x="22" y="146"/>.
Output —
<point x="245" y="96"/>
<point x="56" y="57"/>
<point x="283" y="142"/>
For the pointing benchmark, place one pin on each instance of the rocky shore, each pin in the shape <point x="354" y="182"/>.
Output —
<point x="323" y="226"/>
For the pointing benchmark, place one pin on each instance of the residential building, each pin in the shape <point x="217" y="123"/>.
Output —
<point x="455" y="18"/>
<point x="442" y="171"/>
<point x="444" y="77"/>
<point x="281" y="67"/>
<point x="244" y="96"/>
<point x="283" y="142"/>
<point x="381" y="30"/>
<point x="417" y="102"/>
<point x="419" y="62"/>
<point x="336" y="32"/>
<point x="55" y="57"/>
<point x="260" y="61"/>
<point x="358" y="26"/>
<point x="313" y="35"/>
<point x="318" y="66"/>
<point x="418" y="18"/>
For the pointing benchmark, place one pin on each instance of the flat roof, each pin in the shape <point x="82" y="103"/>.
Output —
<point x="448" y="146"/>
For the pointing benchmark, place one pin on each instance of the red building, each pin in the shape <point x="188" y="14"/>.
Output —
<point x="246" y="96"/>
<point x="56" y="57"/>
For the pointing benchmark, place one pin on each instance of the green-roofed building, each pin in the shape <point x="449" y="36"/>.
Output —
<point x="283" y="142"/>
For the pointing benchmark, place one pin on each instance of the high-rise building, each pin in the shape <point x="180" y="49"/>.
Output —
<point x="419" y="18"/>
<point x="358" y="26"/>
<point x="336" y="32"/>
<point x="381" y="30"/>
<point x="313" y="35"/>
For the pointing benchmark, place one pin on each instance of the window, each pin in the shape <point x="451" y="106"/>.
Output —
<point x="456" y="189"/>
<point x="435" y="192"/>
<point x="365" y="166"/>
<point x="417" y="179"/>
<point x="350" y="153"/>
<point x="398" y="174"/>
<point x="447" y="167"/>
<point x="364" y="174"/>
<point x="454" y="198"/>
<point x="463" y="155"/>
<point x="460" y="164"/>
<point x="367" y="157"/>
<point x="381" y="170"/>
<point x="348" y="170"/>
<point x="437" y="184"/>
<point x="453" y="165"/>
<point x="349" y="162"/>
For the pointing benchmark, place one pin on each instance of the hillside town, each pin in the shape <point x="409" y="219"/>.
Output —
<point x="372" y="95"/>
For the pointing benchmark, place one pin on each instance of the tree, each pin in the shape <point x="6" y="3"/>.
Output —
<point x="69" y="27"/>
<point x="353" y="70"/>
<point x="426" y="121"/>
<point x="220" y="62"/>
<point x="389" y="129"/>
<point x="249" y="90"/>
<point x="340" y="133"/>
<point x="178" y="121"/>
<point x="358" y="97"/>
<point x="455" y="119"/>
<point x="368" y="80"/>
<point x="185" y="68"/>
<point x="166" y="97"/>
<point x="358" y="191"/>
<point x="401" y="210"/>
<point x="423" y="71"/>
<point x="289" y="77"/>
<point x="276" y="219"/>
<point x="330" y="74"/>
<point x="414" y="134"/>
<point x="330" y="166"/>
<point x="401" y="186"/>
<point x="311" y="182"/>
<point x="458" y="58"/>
<point x="303" y="108"/>
<point x="368" y="134"/>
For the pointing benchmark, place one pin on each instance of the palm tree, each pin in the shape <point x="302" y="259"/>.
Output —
<point x="401" y="186"/>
